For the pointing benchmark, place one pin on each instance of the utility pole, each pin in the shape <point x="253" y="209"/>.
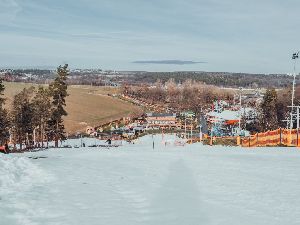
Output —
<point x="297" y="118"/>
<point x="295" y="115"/>
<point x="240" y="111"/>
<point x="211" y="134"/>
<point x="294" y="57"/>
<point x="191" y="128"/>
<point x="184" y="126"/>
<point x="200" y="125"/>
<point x="287" y="123"/>
<point x="34" y="137"/>
<point x="10" y="136"/>
<point x="200" y="132"/>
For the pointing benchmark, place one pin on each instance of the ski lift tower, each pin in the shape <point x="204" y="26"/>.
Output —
<point x="294" y="57"/>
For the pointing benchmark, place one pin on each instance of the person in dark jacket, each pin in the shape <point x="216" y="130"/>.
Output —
<point x="108" y="141"/>
<point x="6" y="148"/>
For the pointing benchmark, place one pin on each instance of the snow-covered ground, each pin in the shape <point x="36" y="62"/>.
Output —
<point x="136" y="184"/>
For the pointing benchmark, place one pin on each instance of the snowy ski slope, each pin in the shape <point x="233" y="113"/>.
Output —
<point x="136" y="184"/>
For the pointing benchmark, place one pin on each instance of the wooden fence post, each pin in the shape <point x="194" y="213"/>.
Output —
<point x="280" y="136"/>
<point x="238" y="140"/>
<point x="249" y="141"/>
<point x="289" y="138"/>
<point x="297" y="137"/>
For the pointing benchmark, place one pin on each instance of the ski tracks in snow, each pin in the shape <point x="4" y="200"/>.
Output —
<point x="175" y="200"/>
<point x="178" y="199"/>
<point x="21" y="184"/>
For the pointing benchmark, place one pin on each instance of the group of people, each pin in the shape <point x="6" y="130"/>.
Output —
<point x="4" y="149"/>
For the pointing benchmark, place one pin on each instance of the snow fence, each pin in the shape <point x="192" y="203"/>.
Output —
<point x="277" y="137"/>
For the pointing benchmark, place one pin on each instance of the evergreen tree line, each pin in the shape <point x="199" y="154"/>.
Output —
<point x="36" y="115"/>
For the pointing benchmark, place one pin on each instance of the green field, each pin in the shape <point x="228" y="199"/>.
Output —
<point x="86" y="105"/>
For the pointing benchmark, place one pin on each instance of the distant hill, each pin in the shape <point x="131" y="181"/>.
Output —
<point x="99" y="77"/>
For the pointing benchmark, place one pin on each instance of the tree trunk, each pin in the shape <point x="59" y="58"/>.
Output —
<point x="56" y="141"/>
<point x="47" y="142"/>
<point x="42" y="135"/>
<point x="56" y="135"/>
<point x="20" y="141"/>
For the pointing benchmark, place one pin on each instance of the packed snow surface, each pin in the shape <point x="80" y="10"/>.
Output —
<point x="136" y="184"/>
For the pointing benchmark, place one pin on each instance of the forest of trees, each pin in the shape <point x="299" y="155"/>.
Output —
<point x="221" y="79"/>
<point x="101" y="78"/>
<point x="272" y="111"/>
<point x="36" y="114"/>
<point x="191" y="95"/>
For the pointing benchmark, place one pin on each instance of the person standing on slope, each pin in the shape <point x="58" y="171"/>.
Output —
<point x="108" y="141"/>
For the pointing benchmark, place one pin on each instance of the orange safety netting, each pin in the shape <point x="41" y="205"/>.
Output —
<point x="273" y="138"/>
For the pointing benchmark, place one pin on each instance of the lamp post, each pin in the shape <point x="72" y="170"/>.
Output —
<point x="200" y="133"/>
<point x="294" y="57"/>
<point x="184" y="126"/>
<point x="200" y="126"/>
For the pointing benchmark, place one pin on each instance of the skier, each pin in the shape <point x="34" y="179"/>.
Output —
<point x="6" y="148"/>
<point x="108" y="141"/>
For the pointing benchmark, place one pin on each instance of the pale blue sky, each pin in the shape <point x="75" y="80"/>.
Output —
<point x="229" y="35"/>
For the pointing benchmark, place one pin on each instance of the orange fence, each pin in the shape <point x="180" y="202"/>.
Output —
<point x="273" y="138"/>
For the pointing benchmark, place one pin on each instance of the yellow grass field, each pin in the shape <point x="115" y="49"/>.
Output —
<point x="86" y="105"/>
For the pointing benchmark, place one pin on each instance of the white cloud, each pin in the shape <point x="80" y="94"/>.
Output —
<point x="8" y="11"/>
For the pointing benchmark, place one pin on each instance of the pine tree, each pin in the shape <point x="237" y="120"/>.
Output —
<point x="283" y="111"/>
<point x="22" y="117"/>
<point x="4" y="122"/>
<point x="42" y="109"/>
<point x="269" y="110"/>
<point x="58" y="90"/>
